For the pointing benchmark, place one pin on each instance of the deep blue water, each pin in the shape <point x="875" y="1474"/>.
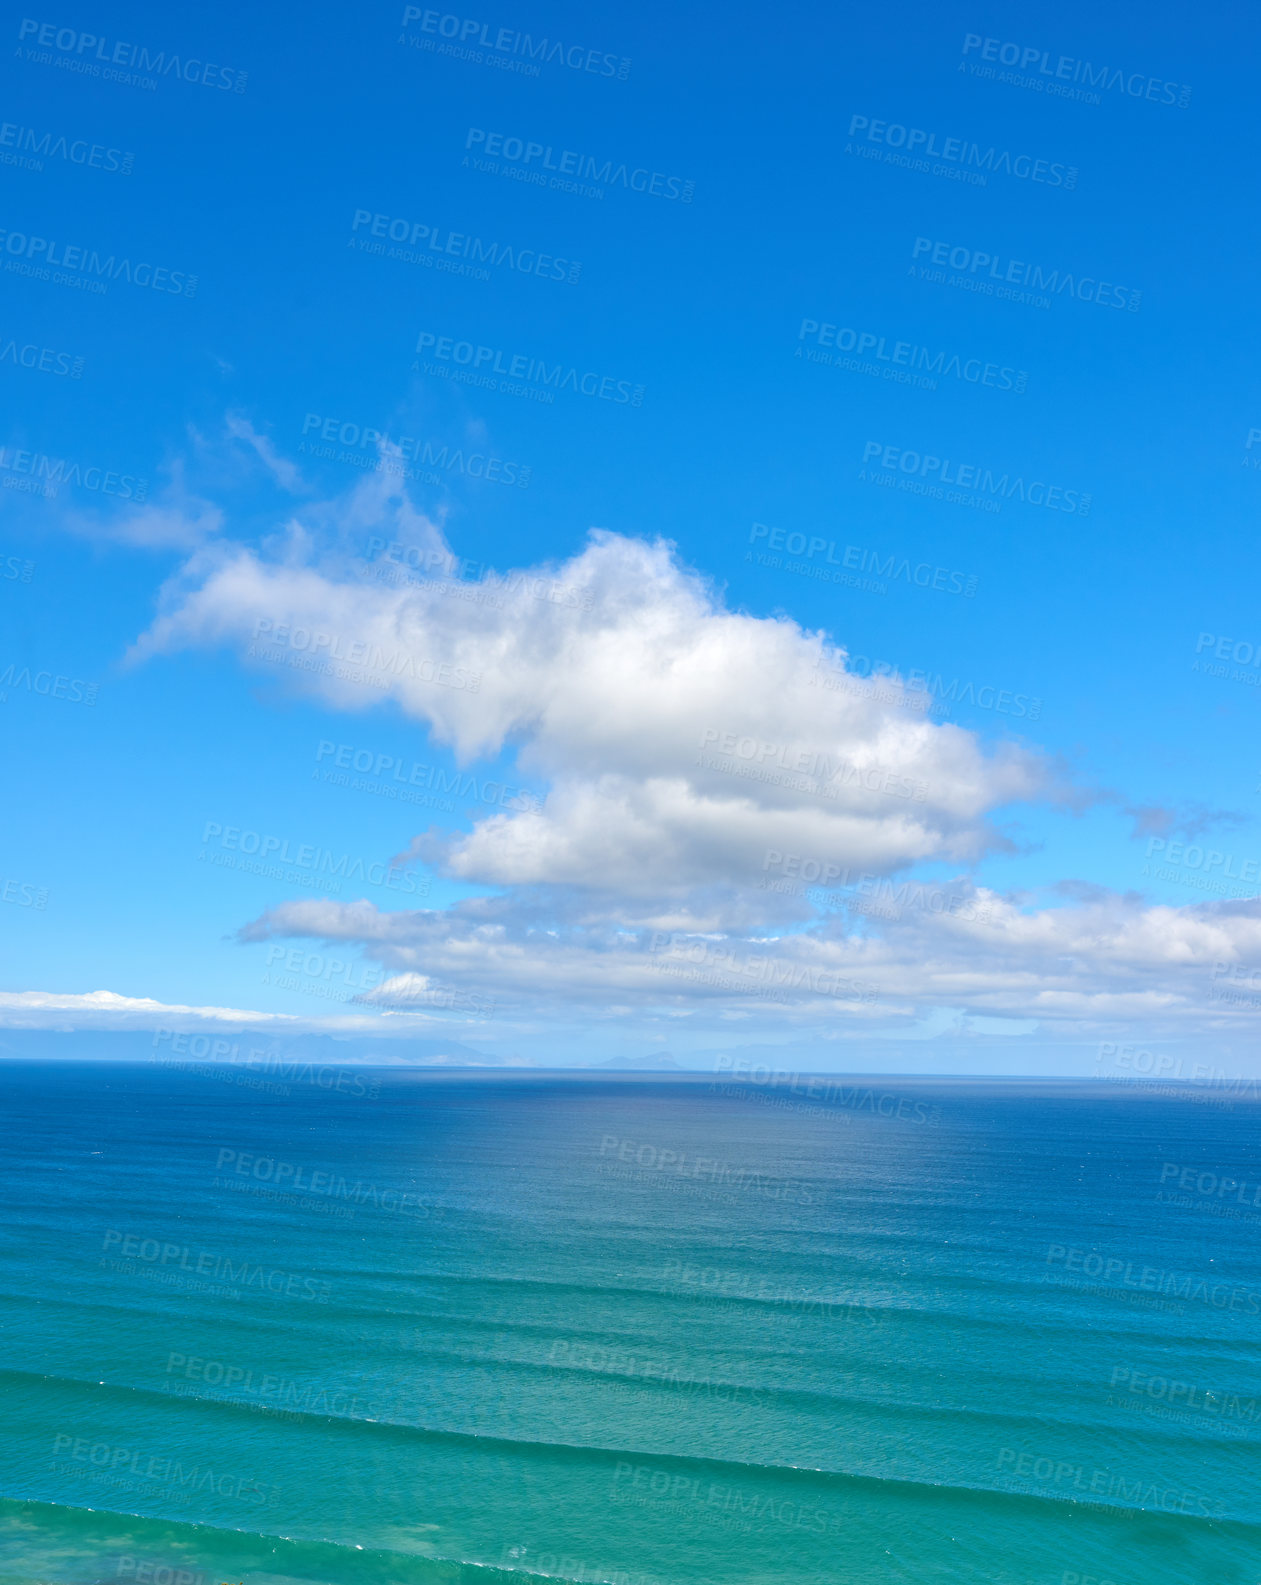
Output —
<point x="420" y="1326"/>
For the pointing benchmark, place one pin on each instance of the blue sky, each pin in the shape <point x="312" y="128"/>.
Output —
<point x="795" y="230"/>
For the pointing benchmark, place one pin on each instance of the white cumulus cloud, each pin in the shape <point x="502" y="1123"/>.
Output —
<point x="682" y="742"/>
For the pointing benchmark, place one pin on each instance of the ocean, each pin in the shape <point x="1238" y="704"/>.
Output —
<point x="416" y="1326"/>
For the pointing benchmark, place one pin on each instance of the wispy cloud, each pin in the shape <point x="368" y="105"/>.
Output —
<point x="285" y="473"/>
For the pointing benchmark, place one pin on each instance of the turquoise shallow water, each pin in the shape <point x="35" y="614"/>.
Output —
<point x="442" y="1327"/>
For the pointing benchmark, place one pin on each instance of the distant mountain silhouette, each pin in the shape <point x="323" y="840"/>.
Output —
<point x="652" y="1063"/>
<point x="138" y="1045"/>
<point x="237" y="1044"/>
